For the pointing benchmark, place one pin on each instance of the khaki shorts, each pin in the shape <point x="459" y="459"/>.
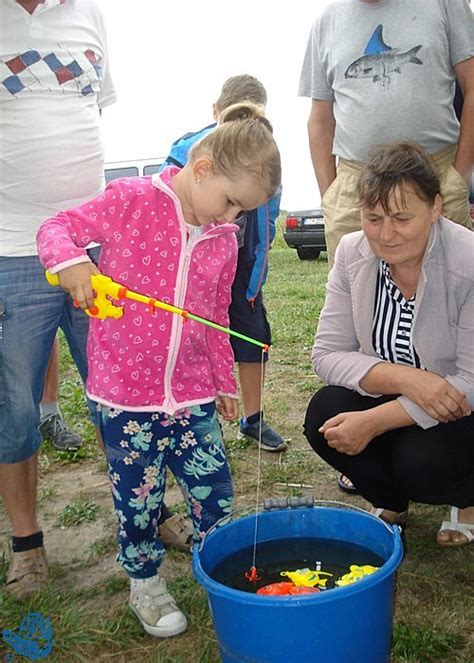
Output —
<point x="341" y="206"/>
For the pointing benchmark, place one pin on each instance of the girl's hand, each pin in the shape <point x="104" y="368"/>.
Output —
<point x="436" y="396"/>
<point x="227" y="407"/>
<point x="349" y="432"/>
<point x="76" y="280"/>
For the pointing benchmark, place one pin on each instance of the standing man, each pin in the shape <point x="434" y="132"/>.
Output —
<point x="384" y="70"/>
<point x="54" y="80"/>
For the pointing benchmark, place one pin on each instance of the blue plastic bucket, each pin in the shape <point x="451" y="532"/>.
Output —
<point x="351" y="624"/>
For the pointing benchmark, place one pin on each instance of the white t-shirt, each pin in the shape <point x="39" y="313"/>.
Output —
<point x="388" y="69"/>
<point x="54" y="78"/>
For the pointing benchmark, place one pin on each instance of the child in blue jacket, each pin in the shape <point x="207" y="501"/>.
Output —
<point x="247" y="311"/>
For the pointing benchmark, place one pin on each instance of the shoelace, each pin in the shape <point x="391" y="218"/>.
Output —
<point x="60" y="429"/>
<point x="59" y="425"/>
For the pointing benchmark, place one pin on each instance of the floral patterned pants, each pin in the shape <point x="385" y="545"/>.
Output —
<point x="139" y="447"/>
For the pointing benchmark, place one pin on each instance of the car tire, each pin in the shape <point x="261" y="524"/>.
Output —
<point x="307" y="253"/>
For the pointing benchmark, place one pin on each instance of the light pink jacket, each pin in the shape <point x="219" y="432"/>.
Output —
<point x="142" y="362"/>
<point x="443" y="324"/>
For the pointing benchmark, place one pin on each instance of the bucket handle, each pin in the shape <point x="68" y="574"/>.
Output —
<point x="288" y="502"/>
<point x="292" y="503"/>
<point x="353" y="507"/>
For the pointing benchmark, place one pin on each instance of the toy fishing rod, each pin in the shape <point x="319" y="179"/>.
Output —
<point x="103" y="308"/>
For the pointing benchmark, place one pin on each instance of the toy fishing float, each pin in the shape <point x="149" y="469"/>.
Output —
<point x="106" y="289"/>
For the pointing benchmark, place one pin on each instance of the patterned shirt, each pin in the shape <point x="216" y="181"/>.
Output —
<point x="393" y="321"/>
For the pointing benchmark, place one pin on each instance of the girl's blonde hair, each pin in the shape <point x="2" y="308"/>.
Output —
<point x="243" y="144"/>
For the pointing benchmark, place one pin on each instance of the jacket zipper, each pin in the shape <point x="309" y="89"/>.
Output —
<point x="176" y="326"/>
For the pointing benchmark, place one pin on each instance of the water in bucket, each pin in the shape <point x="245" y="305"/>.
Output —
<point x="273" y="557"/>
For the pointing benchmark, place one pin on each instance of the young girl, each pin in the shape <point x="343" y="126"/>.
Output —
<point x="158" y="381"/>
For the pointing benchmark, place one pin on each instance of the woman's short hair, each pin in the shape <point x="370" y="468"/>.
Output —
<point x="243" y="144"/>
<point x="391" y="166"/>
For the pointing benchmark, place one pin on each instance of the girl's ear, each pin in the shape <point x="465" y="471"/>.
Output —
<point x="202" y="168"/>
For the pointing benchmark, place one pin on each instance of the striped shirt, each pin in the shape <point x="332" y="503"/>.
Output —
<point x="392" y="323"/>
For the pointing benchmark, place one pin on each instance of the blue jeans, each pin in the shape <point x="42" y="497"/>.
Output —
<point x="140" y="446"/>
<point x="31" y="311"/>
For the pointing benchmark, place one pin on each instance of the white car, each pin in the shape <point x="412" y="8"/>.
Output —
<point x="113" y="170"/>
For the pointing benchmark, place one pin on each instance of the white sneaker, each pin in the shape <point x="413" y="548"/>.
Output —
<point x="155" y="607"/>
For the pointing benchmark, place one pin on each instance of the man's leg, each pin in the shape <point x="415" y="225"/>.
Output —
<point x="340" y="207"/>
<point x="52" y="425"/>
<point x="28" y="570"/>
<point x="20" y="505"/>
<point x="51" y="380"/>
<point x="29" y="315"/>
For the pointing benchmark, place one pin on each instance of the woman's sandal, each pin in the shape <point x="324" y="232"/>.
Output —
<point x="453" y="525"/>
<point x="346" y="485"/>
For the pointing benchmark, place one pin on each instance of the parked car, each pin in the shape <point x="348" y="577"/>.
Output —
<point x="304" y="231"/>
<point x="116" y="169"/>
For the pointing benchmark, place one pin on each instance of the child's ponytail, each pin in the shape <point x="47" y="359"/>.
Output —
<point x="243" y="144"/>
<point x="245" y="110"/>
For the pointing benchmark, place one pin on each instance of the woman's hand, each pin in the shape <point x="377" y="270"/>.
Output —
<point x="350" y="432"/>
<point x="431" y="392"/>
<point x="76" y="280"/>
<point x="227" y="407"/>
<point x="436" y="396"/>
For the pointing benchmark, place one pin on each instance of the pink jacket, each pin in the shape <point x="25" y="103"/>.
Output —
<point x="141" y="362"/>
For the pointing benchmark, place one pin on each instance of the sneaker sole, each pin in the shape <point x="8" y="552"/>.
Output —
<point x="265" y="447"/>
<point x="72" y="447"/>
<point x="161" y="632"/>
<point x="66" y="448"/>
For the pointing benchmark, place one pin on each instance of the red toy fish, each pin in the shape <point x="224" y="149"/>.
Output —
<point x="285" y="589"/>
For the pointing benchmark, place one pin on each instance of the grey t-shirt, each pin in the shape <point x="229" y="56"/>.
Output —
<point x="388" y="68"/>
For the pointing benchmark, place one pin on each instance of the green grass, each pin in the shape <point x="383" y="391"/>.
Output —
<point x="78" y="512"/>
<point x="434" y="613"/>
<point x="425" y="645"/>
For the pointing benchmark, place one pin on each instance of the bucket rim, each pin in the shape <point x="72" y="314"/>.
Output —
<point x="388" y="569"/>
<point x="343" y="506"/>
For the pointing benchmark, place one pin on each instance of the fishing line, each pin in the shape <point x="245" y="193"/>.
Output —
<point x="252" y="574"/>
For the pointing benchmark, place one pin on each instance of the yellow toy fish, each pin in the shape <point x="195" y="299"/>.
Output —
<point x="356" y="573"/>
<point x="306" y="577"/>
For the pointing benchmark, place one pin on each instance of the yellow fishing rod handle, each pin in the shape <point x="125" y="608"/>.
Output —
<point x="52" y="279"/>
<point x="103" y="287"/>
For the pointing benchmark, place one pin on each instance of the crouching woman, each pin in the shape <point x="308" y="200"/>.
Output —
<point x="395" y="347"/>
